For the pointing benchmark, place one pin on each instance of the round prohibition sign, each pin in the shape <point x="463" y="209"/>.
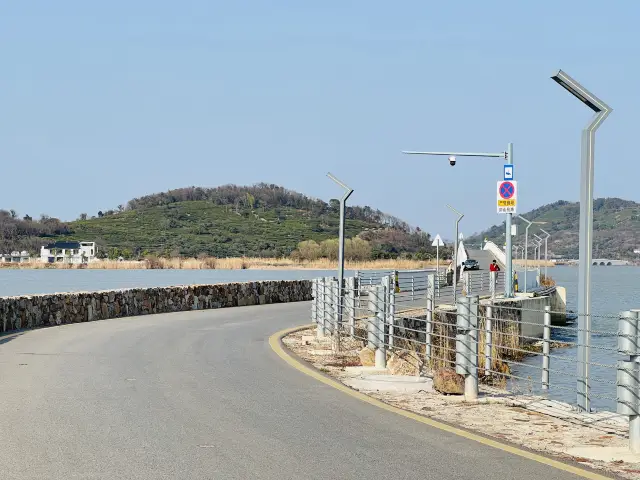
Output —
<point x="507" y="190"/>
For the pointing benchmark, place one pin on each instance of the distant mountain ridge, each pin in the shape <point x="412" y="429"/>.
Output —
<point x="616" y="227"/>
<point x="262" y="220"/>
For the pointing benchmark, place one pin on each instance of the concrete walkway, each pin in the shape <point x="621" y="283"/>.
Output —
<point x="201" y="395"/>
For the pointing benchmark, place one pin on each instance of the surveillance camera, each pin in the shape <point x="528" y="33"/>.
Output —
<point x="452" y="161"/>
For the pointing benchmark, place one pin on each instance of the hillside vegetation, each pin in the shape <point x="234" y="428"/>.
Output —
<point x="228" y="221"/>
<point x="616" y="227"/>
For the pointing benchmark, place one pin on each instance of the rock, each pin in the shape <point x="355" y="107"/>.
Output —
<point x="404" y="363"/>
<point x="367" y="357"/>
<point x="448" y="381"/>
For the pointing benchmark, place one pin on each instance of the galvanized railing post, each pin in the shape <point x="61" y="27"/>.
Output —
<point x="372" y="317"/>
<point x="488" y="338"/>
<point x="388" y="283"/>
<point x="467" y="282"/>
<point x="350" y="303"/>
<point x="322" y="308"/>
<point x="336" y="299"/>
<point x="628" y="376"/>
<point x="546" y="346"/>
<point x="412" y="288"/>
<point x="429" y="323"/>
<point x="314" y="301"/>
<point x="466" y="350"/>
<point x="381" y="352"/>
<point x="493" y="279"/>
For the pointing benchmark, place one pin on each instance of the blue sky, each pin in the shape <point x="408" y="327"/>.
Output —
<point x="105" y="101"/>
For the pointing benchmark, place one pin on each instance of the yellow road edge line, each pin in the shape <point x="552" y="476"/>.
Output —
<point x="275" y="342"/>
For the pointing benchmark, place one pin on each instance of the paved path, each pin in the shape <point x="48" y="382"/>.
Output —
<point x="200" y="395"/>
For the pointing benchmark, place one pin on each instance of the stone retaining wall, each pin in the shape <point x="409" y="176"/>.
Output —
<point x="61" y="308"/>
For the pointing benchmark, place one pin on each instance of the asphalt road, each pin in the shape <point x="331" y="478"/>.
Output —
<point x="201" y="395"/>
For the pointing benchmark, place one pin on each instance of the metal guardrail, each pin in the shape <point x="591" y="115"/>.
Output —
<point x="501" y="342"/>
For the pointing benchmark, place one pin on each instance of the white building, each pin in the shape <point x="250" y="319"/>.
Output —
<point x="15" y="257"/>
<point x="68" y="252"/>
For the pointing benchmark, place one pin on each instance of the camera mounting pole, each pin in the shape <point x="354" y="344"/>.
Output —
<point x="508" y="156"/>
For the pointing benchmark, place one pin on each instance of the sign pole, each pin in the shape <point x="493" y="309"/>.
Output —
<point x="508" y="284"/>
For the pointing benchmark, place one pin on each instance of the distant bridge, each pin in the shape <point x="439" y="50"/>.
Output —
<point x="605" y="262"/>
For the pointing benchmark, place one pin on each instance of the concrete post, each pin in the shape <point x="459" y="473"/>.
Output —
<point x="381" y="351"/>
<point x="628" y="376"/>
<point x="488" y="338"/>
<point x="546" y="346"/>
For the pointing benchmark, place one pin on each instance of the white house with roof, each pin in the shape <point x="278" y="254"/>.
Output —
<point x="15" y="257"/>
<point x="68" y="252"/>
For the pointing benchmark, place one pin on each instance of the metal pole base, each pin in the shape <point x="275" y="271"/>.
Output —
<point x="381" y="358"/>
<point x="470" y="388"/>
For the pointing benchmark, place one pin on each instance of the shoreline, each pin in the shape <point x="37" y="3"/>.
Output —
<point x="240" y="263"/>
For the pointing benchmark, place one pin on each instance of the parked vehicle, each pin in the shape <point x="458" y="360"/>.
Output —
<point x="471" y="264"/>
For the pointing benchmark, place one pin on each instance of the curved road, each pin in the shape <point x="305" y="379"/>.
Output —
<point x="201" y="395"/>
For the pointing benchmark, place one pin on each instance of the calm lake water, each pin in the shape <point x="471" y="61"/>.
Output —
<point x="614" y="289"/>
<point x="22" y="282"/>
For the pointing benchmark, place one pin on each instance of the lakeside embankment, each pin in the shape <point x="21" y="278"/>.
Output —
<point x="240" y="263"/>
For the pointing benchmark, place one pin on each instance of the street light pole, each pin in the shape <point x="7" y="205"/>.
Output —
<point x="455" y="253"/>
<point x="602" y="111"/>
<point x="343" y="201"/>
<point x="546" y="259"/>
<point x="526" y="250"/>
<point x="507" y="155"/>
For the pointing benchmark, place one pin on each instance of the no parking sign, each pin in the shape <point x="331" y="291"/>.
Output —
<point x="507" y="196"/>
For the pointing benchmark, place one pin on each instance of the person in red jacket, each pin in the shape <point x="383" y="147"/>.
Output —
<point x="494" y="267"/>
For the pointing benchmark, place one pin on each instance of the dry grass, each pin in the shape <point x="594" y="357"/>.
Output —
<point x="242" y="263"/>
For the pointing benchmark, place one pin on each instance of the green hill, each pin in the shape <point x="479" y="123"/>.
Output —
<point x="229" y="221"/>
<point x="616" y="226"/>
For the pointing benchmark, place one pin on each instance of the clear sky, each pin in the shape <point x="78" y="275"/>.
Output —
<point x="104" y="101"/>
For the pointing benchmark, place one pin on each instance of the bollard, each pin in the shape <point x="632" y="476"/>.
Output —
<point x="488" y="338"/>
<point x="430" y="306"/>
<point x="390" y="300"/>
<point x="381" y="352"/>
<point x="546" y="346"/>
<point x="628" y="376"/>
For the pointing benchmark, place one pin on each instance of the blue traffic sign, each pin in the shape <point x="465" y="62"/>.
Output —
<point x="508" y="172"/>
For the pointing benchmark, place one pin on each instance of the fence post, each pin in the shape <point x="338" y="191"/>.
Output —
<point x="350" y="300"/>
<point x="488" y="338"/>
<point x="471" y="381"/>
<point x="336" y="298"/>
<point x="314" y="301"/>
<point x="381" y="353"/>
<point x="328" y="305"/>
<point x="466" y="351"/>
<point x="389" y="284"/>
<point x="321" y="308"/>
<point x="372" y="315"/>
<point x="628" y="376"/>
<point x="467" y="282"/>
<point x="429" y="323"/>
<point x="412" y="288"/>
<point x="546" y="344"/>
<point x="492" y="283"/>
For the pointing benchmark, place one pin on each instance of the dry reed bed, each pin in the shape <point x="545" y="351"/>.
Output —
<point x="242" y="263"/>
